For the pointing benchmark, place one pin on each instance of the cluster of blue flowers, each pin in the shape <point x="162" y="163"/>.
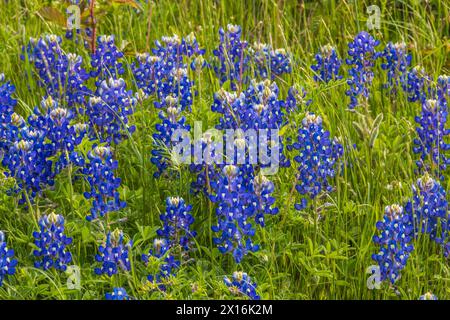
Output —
<point x="109" y="111"/>
<point x="61" y="74"/>
<point x="99" y="172"/>
<point x="52" y="243"/>
<point x="270" y="63"/>
<point x="430" y="143"/>
<point x="7" y="262"/>
<point x="258" y="108"/>
<point x="417" y="85"/>
<point x="117" y="294"/>
<point x="38" y="149"/>
<point x="296" y="99"/>
<point x="395" y="237"/>
<point x="232" y="57"/>
<point x="428" y="208"/>
<point x="362" y="59"/>
<point x="241" y="285"/>
<point x="114" y="254"/>
<point x="168" y="132"/>
<point x="165" y="75"/>
<point x="175" y="238"/>
<point x="327" y="65"/>
<point x="397" y="62"/>
<point x="106" y="61"/>
<point x="317" y="157"/>
<point x="243" y="200"/>
<point x="7" y="104"/>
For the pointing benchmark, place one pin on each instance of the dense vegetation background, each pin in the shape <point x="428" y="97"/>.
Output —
<point x="301" y="256"/>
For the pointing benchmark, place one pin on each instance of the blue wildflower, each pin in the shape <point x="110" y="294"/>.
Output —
<point x="106" y="61"/>
<point x="177" y="221"/>
<point x="114" y="254"/>
<point x="417" y="85"/>
<point x="241" y="285"/>
<point x="363" y="55"/>
<point x="232" y="60"/>
<point x="317" y="157"/>
<point x="109" y="112"/>
<point x="7" y="262"/>
<point x="61" y="74"/>
<point x="397" y="61"/>
<point x="327" y="65"/>
<point x="431" y="131"/>
<point x="175" y="239"/>
<point x="428" y="208"/>
<point x="394" y="240"/>
<point x="270" y="62"/>
<point x="296" y="98"/>
<point x="172" y="128"/>
<point x="99" y="172"/>
<point x="242" y="200"/>
<point x="52" y="242"/>
<point x="7" y="104"/>
<point x="117" y="294"/>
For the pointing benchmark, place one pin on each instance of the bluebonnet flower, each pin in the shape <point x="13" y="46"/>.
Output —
<point x="172" y="122"/>
<point x="428" y="296"/>
<point x="317" y="158"/>
<point x="241" y="285"/>
<point x="117" y="294"/>
<point x="147" y="72"/>
<point x="7" y="104"/>
<point x="257" y="108"/>
<point x="233" y="60"/>
<point x="177" y="85"/>
<point x="430" y="143"/>
<point x="270" y="62"/>
<point x="397" y="62"/>
<point x="204" y="167"/>
<point x="241" y="199"/>
<point x="296" y="98"/>
<point x="394" y="240"/>
<point x="61" y="136"/>
<point x="443" y="87"/>
<point x="26" y="161"/>
<point x="99" y="172"/>
<point x="363" y="55"/>
<point x="165" y="72"/>
<point x="263" y="200"/>
<point x="417" y="85"/>
<point x="114" y="254"/>
<point x="428" y="208"/>
<point x="7" y="262"/>
<point x="177" y="221"/>
<point x="175" y="239"/>
<point x="109" y="112"/>
<point x="40" y="148"/>
<point x="167" y="269"/>
<point x="198" y="64"/>
<point x="327" y="65"/>
<point x="190" y="46"/>
<point x="160" y="248"/>
<point x="61" y="74"/>
<point x="106" y="61"/>
<point x="52" y="243"/>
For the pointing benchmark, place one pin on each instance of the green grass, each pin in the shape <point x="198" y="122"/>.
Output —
<point x="301" y="258"/>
